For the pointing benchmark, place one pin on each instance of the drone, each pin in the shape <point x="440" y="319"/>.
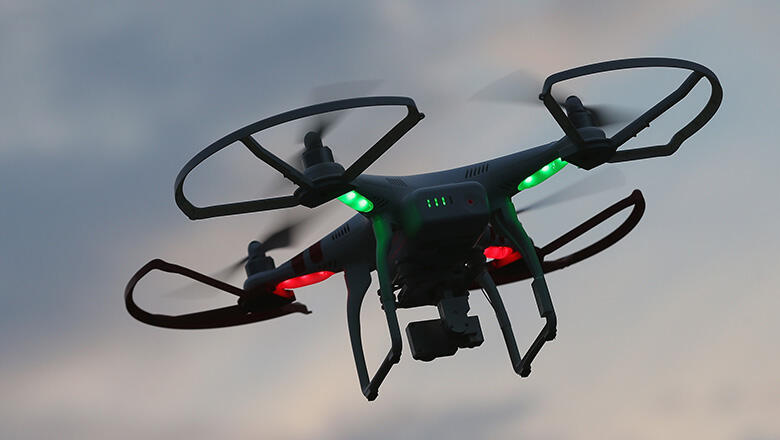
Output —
<point x="431" y="238"/>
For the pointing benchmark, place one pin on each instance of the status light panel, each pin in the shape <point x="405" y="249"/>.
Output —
<point x="438" y="202"/>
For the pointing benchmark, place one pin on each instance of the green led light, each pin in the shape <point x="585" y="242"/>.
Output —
<point x="437" y="202"/>
<point x="543" y="174"/>
<point x="354" y="200"/>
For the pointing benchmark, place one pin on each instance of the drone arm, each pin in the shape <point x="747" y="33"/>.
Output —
<point x="507" y="223"/>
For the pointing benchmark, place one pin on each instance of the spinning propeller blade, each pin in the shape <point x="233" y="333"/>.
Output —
<point x="322" y="124"/>
<point x="283" y="236"/>
<point x="522" y="87"/>
<point x="519" y="87"/>
<point x="606" y="115"/>
<point x="608" y="179"/>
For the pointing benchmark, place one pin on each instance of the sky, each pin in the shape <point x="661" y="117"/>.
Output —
<point x="671" y="333"/>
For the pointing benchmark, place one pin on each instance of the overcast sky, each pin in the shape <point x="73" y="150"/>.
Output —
<point x="672" y="333"/>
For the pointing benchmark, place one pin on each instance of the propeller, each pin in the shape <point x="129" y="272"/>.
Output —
<point x="517" y="87"/>
<point x="283" y="236"/>
<point x="322" y="124"/>
<point x="522" y="87"/>
<point x="280" y="238"/>
<point x="606" y="115"/>
<point x="318" y="126"/>
<point x="593" y="184"/>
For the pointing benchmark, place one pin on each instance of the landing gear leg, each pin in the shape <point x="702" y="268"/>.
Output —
<point x="358" y="280"/>
<point x="507" y="223"/>
<point x="486" y="282"/>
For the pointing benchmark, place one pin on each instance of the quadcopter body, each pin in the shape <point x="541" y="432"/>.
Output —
<point x="431" y="238"/>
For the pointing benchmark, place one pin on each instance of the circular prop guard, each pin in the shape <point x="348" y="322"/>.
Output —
<point x="216" y="318"/>
<point x="512" y="268"/>
<point x="307" y="186"/>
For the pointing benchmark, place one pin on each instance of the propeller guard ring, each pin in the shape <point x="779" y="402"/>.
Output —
<point x="513" y="268"/>
<point x="244" y="135"/>
<point x="229" y="316"/>
<point x="643" y="121"/>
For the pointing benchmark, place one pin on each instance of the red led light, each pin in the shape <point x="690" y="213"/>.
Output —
<point x="498" y="252"/>
<point x="304" y="280"/>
